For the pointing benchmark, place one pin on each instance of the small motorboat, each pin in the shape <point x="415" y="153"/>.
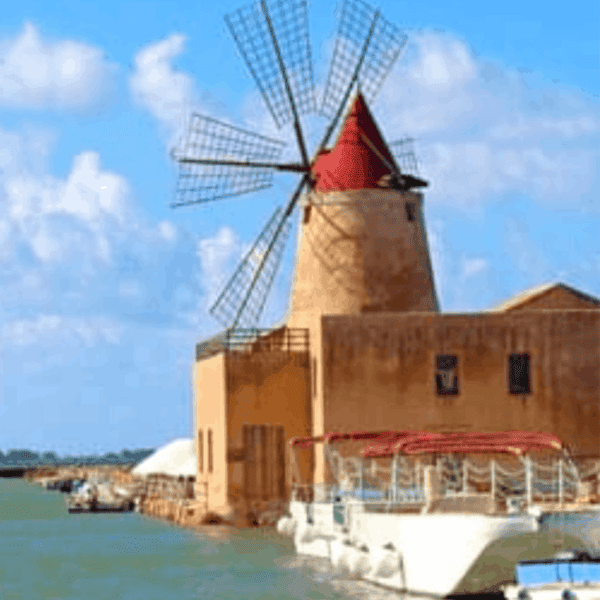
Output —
<point x="90" y="497"/>
<point x="572" y="575"/>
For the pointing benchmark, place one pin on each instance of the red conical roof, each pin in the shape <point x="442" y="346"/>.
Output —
<point x="352" y="164"/>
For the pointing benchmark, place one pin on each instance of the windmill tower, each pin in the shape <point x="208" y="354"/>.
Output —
<point x="361" y="244"/>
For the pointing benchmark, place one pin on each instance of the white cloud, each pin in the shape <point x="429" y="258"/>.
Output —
<point x="444" y="61"/>
<point x="167" y="231"/>
<point x="157" y="86"/>
<point x="89" y="196"/>
<point x="63" y="74"/>
<point x="473" y="266"/>
<point x="48" y="248"/>
<point x="26" y="151"/>
<point x="216" y="255"/>
<point x="75" y="243"/>
<point x="568" y="127"/>
<point x="484" y="129"/>
<point x="171" y="96"/>
<point x="52" y="329"/>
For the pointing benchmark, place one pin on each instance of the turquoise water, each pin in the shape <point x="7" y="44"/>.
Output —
<point x="47" y="554"/>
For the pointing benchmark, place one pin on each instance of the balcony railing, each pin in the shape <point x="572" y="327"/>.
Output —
<point x="283" y="339"/>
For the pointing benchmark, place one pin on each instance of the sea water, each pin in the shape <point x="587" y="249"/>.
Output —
<point x="48" y="554"/>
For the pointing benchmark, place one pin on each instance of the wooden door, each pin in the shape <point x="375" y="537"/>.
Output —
<point x="264" y="462"/>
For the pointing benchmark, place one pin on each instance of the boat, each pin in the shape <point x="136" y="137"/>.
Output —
<point x="98" y="497"/>
<point x="573" y="575"/>
<point x="101" y="507"/>
<point x="66" y="486"/>
<point x="420" y="524"/>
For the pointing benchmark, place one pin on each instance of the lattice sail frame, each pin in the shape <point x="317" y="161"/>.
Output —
<point x="208" y="138"/>
<point x="250" y="29"/>
<point x="357" y="21"/>
<point x="256" y="274"/>
<point x="404" y="153"/>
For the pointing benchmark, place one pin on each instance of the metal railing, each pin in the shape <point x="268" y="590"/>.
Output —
<point x="284" y="339"/>
<point x="522" y="482"/>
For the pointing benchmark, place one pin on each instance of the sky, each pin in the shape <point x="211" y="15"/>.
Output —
<point x="105" y="289"/>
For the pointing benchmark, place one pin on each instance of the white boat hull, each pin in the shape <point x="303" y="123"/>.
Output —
<point x="433" y="552"/>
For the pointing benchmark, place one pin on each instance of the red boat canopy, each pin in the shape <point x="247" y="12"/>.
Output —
<point x="387" y="443"/>
<point x="306" y="442"/>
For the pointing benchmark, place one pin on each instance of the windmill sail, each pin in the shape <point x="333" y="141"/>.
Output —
<point x="243" y="299"/>
<point x="208" y="138"/>
<point x="359" y="23"/>
<point x="404" y="153"/>
<point x="250" y="27"/>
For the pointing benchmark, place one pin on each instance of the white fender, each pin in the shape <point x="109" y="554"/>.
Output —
<point x="286" y="525"/>
<point x="386" y="563"/>
<point x="306" y="534"/>
<point x="359" y="562"/>
<point x="340" y="553"/>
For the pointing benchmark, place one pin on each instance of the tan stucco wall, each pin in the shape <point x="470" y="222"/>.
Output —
<point x="379" y="373"/>
<point x="311" y="320"/>
<point x="358" y="251"/>
<point x="267" y="387"/>
<point x="209" y="391"/>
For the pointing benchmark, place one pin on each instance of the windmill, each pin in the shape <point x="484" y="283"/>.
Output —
<point x="218" y="160"/>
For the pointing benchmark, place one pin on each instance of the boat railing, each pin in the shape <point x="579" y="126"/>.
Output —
<point x="334" y="494"/>
<point x="523" y="482"/>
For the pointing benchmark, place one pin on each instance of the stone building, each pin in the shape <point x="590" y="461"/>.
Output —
<point x="365" y="346"/>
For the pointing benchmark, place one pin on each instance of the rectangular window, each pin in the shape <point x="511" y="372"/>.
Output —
<point x="410" y="211"/>
<point x="307" y="209"/>
<point x="446" y="377"/>
<point x="200" y="450"/>
<point x="519" y="376"/>
<point x="210" y="451"/>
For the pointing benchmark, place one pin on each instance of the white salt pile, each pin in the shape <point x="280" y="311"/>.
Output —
<point x="178" y="458"/>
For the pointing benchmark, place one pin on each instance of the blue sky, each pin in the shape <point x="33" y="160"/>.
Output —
<point x="105" y="289"/>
